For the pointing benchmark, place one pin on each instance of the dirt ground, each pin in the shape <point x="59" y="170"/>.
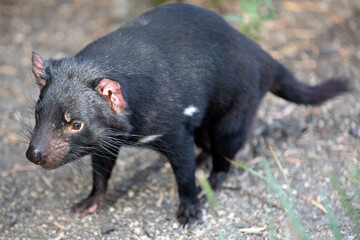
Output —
<point x="316" y="39"/>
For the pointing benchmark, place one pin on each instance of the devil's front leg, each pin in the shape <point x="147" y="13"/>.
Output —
<point x="182" y="159"/>
<point x="102" y="167"/>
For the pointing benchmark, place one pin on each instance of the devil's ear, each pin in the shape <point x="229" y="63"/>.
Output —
<point x="37" y="69"/>
<point x="111" y="90"/>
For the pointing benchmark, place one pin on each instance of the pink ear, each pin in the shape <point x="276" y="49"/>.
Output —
<point x="111" y="90"/>
<point x="37" y="69"/>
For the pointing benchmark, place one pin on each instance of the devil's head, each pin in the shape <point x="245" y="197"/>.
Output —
<point x="78" y="111"/>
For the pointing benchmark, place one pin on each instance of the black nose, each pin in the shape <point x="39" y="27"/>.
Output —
<point x="35" y="155"/>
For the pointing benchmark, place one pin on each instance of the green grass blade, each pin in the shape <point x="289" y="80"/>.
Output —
<point x="233" y="18"/>
<point x="285" y="203"/>
<point x="333" y="223"/>
<point x="282" y="196"/>
<point x="239" y="165"/>
<point x="354" y="176"/>
<point x="206" y="187"/>
<point x="282" y="171"/>
<point x="221" y="236"/>
<point x="250" y="7"/>
<point x="270" y="10"/>
<point x="159" y="2"/>
<point x="271" y="216"/>
<point x="346" y="203"/>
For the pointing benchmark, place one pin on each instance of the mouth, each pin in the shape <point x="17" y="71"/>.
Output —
<point x="50" y="165"/>
<point x="60" y="161"/>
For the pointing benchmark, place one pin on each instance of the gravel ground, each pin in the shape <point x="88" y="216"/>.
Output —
<point x="317" y="39"/>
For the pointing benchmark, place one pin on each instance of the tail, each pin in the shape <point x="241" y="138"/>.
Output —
<point x="286" y="86"/>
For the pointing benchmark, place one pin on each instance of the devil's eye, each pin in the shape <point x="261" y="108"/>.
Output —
<point x="76" y="126"/>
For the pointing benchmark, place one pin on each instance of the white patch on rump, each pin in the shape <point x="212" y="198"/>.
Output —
<point x="149" y="138"/>
<point x="190" y="110"/>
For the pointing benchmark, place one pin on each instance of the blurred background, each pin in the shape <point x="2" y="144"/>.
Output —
<point x="316" y="39"/>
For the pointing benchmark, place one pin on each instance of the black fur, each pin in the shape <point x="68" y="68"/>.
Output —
<point x="166" y="60"/>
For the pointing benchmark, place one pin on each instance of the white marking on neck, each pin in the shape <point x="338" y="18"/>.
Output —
<point x="149" y="138"/>
<point x="190" y="110"/>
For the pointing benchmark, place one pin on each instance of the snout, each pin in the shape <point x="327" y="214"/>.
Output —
<point x="49" y="153"/>
<point x="35" y="156"/>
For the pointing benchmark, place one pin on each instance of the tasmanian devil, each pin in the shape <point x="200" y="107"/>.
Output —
<point x="176" y="76"/>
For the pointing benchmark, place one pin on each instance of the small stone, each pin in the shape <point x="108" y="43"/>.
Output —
<point x="353" y="132"/>
<point x="137" y="231"/>
<point x="13" y="222"/>
<point x="242" y="225"/>
<point x="221" y="212"/>
<point x="231" y="215"/>
<point x="175" y="225"/>
<point x="328" y="49"/>
<point x="107" y="228"/>
<point x="131" y="194"/>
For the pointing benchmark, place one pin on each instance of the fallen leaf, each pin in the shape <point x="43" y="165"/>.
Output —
<point x="293" y="6"/>
<point x="252" y="230"/>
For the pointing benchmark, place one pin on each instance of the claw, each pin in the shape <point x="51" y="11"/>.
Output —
<point x="89" y="205"/>
<point x="189" y="215"/>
